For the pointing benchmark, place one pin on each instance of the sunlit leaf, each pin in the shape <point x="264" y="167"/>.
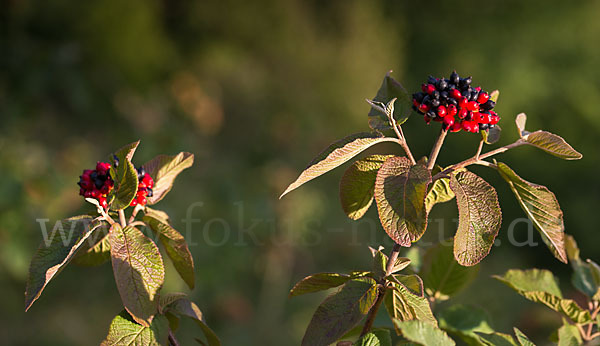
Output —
<point x="424" y="333"/>
<point x="403" y="305"/>
<point x="479" y="217"/>
<point x="542" y="208"/>
<point x="175" y="246"/>
<point x="139" y="271"/>
<point x="164" y="169"/>
<point x="379" y="337"/>
<point x="95" y="250"/>
<point x="522" y="338"/>
<point x="540" y="286"/>
<point x="552" y="144"/>
<point x="494" y="95"/>
<point x="55" y="252"/>
<point x="358" y="183"/>
<point x="496" y="339"/>
<point x="125" y="178"/>
<point x="319" y="282"/>
<point x="568" y="335"/>
<point x="439" y="192"/>
<point x="521" y="120"/>
<point x="400" y="191"/>
<point x="337" y="154"/>
<point x="125" y="331"/>
<point x="340" y="312"/>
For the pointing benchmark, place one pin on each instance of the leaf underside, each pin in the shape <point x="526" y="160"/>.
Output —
<point x="552" y="144"/>
<point x="164" y="169"/>
<point x="400" y="191"/>
<point x="542" y="208"/>
<point x="318" y="282"/>
<point x="479" y="217"/>
<point x="337" y="154"/>
<point x="138" y="270"/>
<point x="125" y="331"/>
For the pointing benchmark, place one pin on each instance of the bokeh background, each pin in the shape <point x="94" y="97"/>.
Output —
<point x="255" y="89"/>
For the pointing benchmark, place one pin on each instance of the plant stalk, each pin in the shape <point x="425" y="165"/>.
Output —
<point x="381" y="292"/>
<point x="134" y="213"/>
<point x="436" y="149"/>
<point x="122" y="218"/>
<point x="477" y="159"/>
<point x="172" y="339"/>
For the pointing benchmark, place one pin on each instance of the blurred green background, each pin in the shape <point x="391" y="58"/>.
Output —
<point x="255" y="89"/>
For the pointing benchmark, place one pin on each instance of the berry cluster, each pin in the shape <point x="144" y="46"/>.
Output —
<point x="456" y="104"/>
<point x="145" y="185"/>
<point x="96" y="183"/>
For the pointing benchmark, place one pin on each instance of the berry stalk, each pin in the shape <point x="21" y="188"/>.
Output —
<point x="436" y="149"/>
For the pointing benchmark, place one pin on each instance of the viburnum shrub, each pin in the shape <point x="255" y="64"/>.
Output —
<point x="150" y="317"/>
<point x="405" y="191"/>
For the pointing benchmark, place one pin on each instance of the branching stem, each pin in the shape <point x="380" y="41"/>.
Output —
<point x="478" y="159"/>
<point x="436" y="149"/>
<point x="381" y="292"/>
<point x="134" y="213"/>
<point x="122" y="218"/>
<point x="172" y="339"/>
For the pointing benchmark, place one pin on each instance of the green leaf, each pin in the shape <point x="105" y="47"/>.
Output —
<point x="522" y="338"/>
<point x="335" y="155"/>
<point x="380" y="337"/>
<point x="521" y="120"/>
<point x="340" y="312"/>
<point x="357" y="185"/>
<point x="443" y="276"/>
<point x="125" y="152"/>
<point x="439" y="192"/>
<point x="479" y="217"/>
<point x="492" y="135"/>
<point x="401" y="263"/>
<point x="379" y="264"/>
<point x="164" y="169"/>
<point x="390" y="89"/>
<point x="542" y="208"/>
<point x="583" y="273"/>
<point x="175" y="246"/>
<point x="400" y="191"/>
<point x="423" y="333"/>
<point x="531" y="280"/>
<point x="540" y="286"/>
<point x="496" y="339"/>
<point x="319" y="282"/>
<point x="56" y="252"/>
<point x="465" y="321"/>
<point x="494" y="95"/>
<point x="412" y="282"/>
<point x="568" y="335"/>
<point x="552" y="144"/>
<point x="403" y="305"/>
<point x="138" y="269"/>
<point x="95" y="250"/>
<point x="125" y="331"/>
<point x="183" y="307"/>
<point x="125" y="178"/>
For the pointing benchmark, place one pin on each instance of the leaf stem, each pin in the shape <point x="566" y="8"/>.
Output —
<point x="436" y="149"/>
<point x="122" y="218"/>
<point x="134" y="213"/>
<point x="172" y="339"/>
<point x="479" y="149"/>
<point x="381" y="293"/>
<point x="478" y="159"/>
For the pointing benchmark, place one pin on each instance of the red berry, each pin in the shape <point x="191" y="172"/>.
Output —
<point x="483" y="97"/>
<point x="147" y="179"/>
<point x="141" y="185"/>
<point x="463" y="113"/>
<point x="424" y="108"/>
<point x="485" y="118"/>
<point x="455" y="94"/>
<point x="441" y="111"/>
<point x="87" y="194"/>
<point x="430" y="89"/>
<point x="102" y="167"/>
<point x="494" y="119"/>
<point x="478" y="88"/>
<point x="452" y="110"/>
<point x="463" y="103"/>
<point x="476" y="117"/>
<point x="473" y="106"/>
<point x="141" y="200"/>
<point x="427" y="119"/>
<point x="134" y="202"/>
<point x="448" y="121"/>
<point x="95" y="193"/>
<point x="455" y="127"/>
<point x="81" y="191"/>
<point x="416" y="103"/>
<point x="424" y="87"/>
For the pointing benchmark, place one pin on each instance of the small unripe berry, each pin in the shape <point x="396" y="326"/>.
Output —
<point x="483" y="97"/>
<point x="463" y="103"/>
<point x="462" y="113"/>
<point x="494" y="119"/>
<point x="424" y="108"/>
<point x="455" y="127"/>
<point x="430" y="88"/>
<point x="455" y="94"/>
<point x="448" y="121"/>
<point x="452" y="110"/>
<point x="441" y="111"/>
<point x="473" y="106"/>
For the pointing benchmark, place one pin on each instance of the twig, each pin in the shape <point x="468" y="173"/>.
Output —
<point x="402" y="139"/>
<point x="479" y="159"/>
<point x="172" y="339"/>
<point x="381" y="292"/>
<point x="122" y="218"/>
<point x="479" y="149"/>
<point x="595" y="335"/>
<point x="436" y="149"/>
<point x="134" y="213"/>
